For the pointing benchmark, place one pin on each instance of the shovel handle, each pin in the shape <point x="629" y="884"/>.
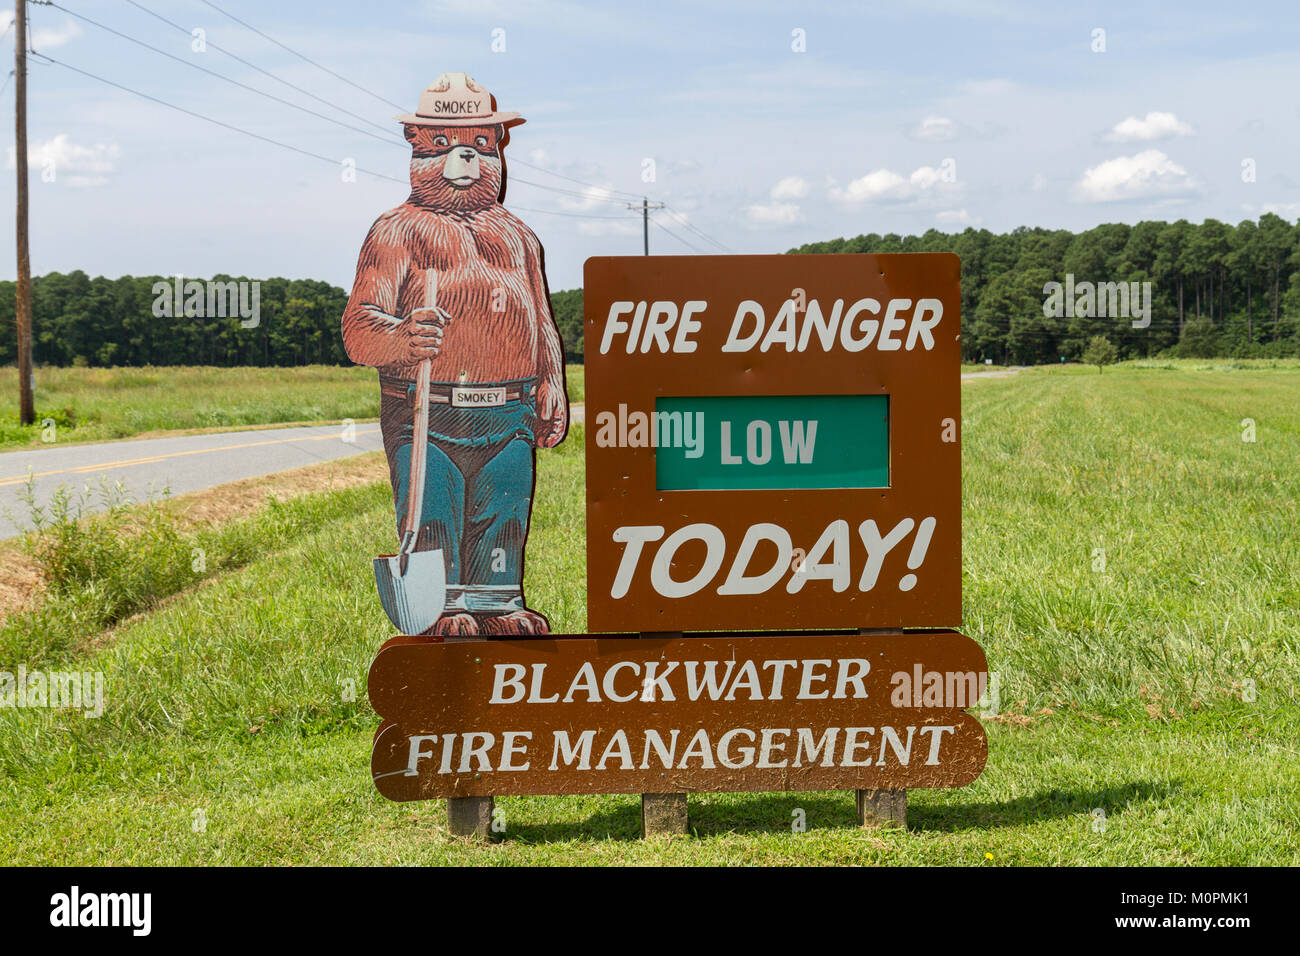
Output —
<point x="419" y="433"/>
<point x="430" y="288"/>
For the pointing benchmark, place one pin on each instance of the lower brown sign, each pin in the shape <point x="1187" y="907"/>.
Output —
<point x="713" y="713"/>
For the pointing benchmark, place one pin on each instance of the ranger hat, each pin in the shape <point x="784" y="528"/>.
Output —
<point x="453" y="99"/>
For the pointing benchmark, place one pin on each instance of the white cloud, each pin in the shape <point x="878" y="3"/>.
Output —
<point x="875" y="185"/>
<point x="780" y="211"/>
<point x="885" y="185"/>
<point x="593" y="197"/>
<point x="51" y="37"/>
<point x="1038" y="183"/>
<point x="935" y="129"/>
<point x="76" y="165"/>
<point x="1149" y="174"/>
<point x="1287" y="210"/>
<point x="1154" y="126"/>
<point x="792" y="187"/>
<point x="957" y="217"/>
<point x="925" y="177"/>
<point x="773" y="214"/>
<point x="609" y="227"/>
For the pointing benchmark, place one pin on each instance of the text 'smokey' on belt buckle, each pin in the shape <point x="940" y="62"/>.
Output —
<point x="469" y="397"/>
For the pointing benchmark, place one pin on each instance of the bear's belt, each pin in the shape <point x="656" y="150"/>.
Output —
<point x="458" y="396"/>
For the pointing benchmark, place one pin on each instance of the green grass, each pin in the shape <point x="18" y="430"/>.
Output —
<point x="96" y="404"/>
<point x="93" y="404"/>
<point x="575" y="382"/>
<point x="232" y="702"/>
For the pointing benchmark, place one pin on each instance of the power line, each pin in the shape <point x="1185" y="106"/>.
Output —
<point x="204" y="69"/>
<point x="266" y="139"/>
<point x="584" y="195"/>
<point x="699" y="232"/>
<point x="645" y="208"/>
<point x="254" y="66"/>
<point x="344" y="79"/>
<point x="520" y="162"/>
<point x="209" y="119"/>
<point x="311" y="112"/>
<point x="305" y="59"/>
<point x="556" y="212"/>
<point x="551" y="172"/>
<point x="567" y="192"/>
<point x="674" y="235"/>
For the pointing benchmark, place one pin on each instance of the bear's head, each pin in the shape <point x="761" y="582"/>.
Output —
<point x="455" y="168"/>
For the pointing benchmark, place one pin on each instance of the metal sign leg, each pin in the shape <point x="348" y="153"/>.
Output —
<point x="664" y="814"/>
<point x="881" y="808"/>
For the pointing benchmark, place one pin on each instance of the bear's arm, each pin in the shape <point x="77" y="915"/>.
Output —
<point x="553" y="398"/>
<point x="372" y="331"/>
<point x="550" y="347"/>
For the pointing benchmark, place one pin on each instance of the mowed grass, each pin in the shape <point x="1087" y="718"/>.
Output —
<point x="96" y="404"/>
<point x="1159" y="691"/>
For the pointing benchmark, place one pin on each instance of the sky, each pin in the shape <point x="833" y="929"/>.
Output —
<point x="759" y="125"/>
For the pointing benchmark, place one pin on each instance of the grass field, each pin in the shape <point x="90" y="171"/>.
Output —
<point x="95" y="404"/>
<point x="1132" y="569"/>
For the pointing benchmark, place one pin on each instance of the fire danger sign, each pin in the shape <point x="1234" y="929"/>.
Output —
<point x="773" y="442"/>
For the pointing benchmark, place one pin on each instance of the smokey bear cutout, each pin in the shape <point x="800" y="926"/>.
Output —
<point x="452" y="285"/>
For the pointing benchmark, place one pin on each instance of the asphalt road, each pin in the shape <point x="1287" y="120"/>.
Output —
<point x="182" y="464"/>
<point x="187" y="463"/>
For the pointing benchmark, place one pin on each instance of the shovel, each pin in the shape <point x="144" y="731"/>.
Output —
<point x="413" y="584"/>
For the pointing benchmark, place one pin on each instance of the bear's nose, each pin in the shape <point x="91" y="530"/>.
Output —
<point x="467" y="154"/>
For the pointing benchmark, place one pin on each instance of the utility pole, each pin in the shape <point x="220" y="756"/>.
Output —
<point x="26" y="403"/>
<point x="645" y="208"/>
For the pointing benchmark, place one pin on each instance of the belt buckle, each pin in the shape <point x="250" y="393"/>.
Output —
<point x="470" y="396"/>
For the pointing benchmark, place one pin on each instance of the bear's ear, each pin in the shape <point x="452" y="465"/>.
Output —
<point x="411" y="132"/>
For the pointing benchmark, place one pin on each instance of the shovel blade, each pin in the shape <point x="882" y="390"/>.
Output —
<point x="414" y="600"/>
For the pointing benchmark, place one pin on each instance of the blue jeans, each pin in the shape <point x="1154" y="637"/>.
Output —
<point x="478" y="490"/>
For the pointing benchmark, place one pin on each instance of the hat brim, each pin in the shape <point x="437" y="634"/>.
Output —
<point x="492" y="119"/>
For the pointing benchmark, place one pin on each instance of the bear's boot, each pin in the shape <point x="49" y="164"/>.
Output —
<point x="454" y="625"/>
<point x="521" y="622"/>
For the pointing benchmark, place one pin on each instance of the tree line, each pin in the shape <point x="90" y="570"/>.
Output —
<point x="77" y="320"/>
<point x="1215" y="290"/>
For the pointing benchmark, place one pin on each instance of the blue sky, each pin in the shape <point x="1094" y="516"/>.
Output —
<point x="893" y="118"/>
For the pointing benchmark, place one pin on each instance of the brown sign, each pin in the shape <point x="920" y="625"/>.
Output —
<point x="773" y="442"/>
<point x="698" y="714"/>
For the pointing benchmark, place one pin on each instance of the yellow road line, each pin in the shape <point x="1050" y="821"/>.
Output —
<point x="128" y="462"/>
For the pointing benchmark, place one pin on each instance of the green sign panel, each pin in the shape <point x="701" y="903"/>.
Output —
<point x="771" y="442"/>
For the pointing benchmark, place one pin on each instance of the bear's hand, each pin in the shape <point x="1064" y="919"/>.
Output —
<point x="425" y="329"/>
<point x="552" y="415"/>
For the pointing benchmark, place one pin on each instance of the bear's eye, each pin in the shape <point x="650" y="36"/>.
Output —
<point x="441" y="140"/>
<point x="481" y="142"/>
